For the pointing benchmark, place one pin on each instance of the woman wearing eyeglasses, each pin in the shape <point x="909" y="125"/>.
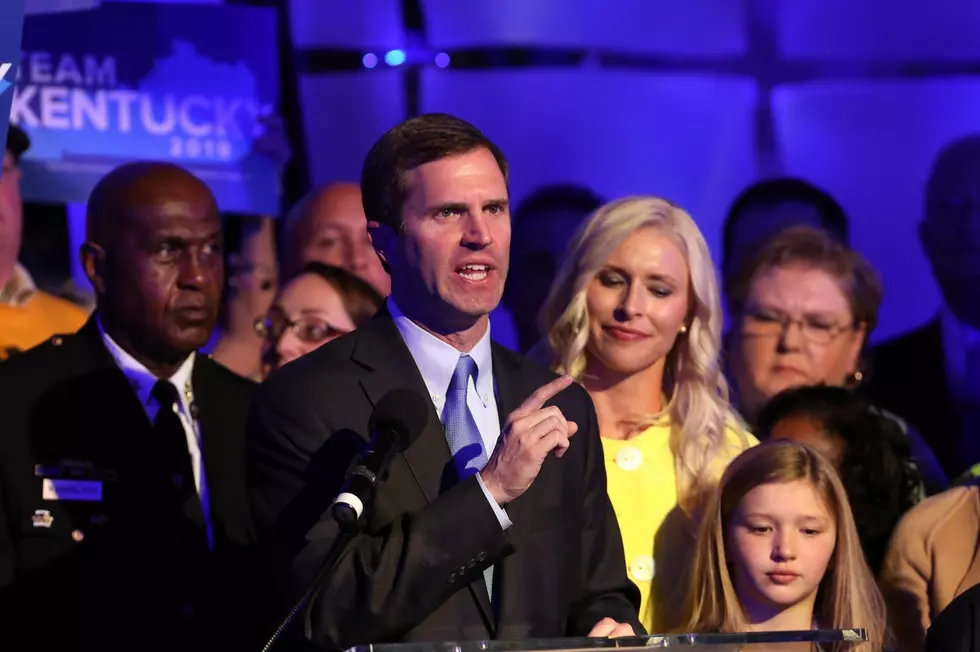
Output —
<point x="802" y="311"/>
<point x="320" y="303"/>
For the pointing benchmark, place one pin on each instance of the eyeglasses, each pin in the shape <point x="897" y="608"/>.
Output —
<point x="308" y="328"/>
<point x="762" y="324"/>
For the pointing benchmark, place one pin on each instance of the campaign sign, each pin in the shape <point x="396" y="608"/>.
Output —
<point x="11" y="21"/>
<point x="182" y="83"/>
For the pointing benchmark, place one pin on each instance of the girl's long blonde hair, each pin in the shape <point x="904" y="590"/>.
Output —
<point x="848" y="597"/>
<point x="696" y="390"/>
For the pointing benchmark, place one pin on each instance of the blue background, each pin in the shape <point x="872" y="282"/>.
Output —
<point x="690" y="100"/>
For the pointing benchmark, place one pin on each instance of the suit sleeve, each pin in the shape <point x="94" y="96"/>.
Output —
<point x="606" y="590"/>
<point x="392" y="576"/>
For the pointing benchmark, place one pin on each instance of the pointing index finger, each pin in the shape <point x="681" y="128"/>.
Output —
<point x="542" y="394"/>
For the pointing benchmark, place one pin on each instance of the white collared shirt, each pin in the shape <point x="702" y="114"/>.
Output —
<point x="958" y="340"/>
<point x="437" y="361"/>
<point x="142" y="381"/>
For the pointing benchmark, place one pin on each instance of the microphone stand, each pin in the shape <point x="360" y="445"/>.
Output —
<point x="346" y="534"/>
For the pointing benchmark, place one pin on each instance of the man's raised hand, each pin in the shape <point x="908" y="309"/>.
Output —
<point x="530" y="433"/>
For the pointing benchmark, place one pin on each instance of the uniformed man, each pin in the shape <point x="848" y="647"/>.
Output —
<point x="124" y="523"/>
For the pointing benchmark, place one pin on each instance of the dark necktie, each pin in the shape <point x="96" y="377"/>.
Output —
<point x="175" y="460"/>
<point x="462" y="434"/>
<point x="180" y="521"/>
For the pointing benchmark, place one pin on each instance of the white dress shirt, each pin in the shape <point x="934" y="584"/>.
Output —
<point x="437" y="361"/>
<point x="142" y="381"/>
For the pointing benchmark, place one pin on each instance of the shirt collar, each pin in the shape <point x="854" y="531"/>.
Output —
<point x="142" y="379"/>
<point x="437" y="359"/>
<point x="19" y="289"/>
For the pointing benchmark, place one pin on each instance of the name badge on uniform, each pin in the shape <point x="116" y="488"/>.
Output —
<point x="80" y="490"/>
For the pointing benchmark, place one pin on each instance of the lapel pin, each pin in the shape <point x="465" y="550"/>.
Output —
<point x="42" y="518"/>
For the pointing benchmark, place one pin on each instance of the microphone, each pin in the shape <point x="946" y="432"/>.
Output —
<point x="398" y="419"/>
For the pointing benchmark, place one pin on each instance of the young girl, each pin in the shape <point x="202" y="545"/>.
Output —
<point x="778" y="550"/>
<point x="868" y="449"/>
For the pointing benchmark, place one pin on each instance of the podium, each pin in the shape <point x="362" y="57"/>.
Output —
<point x="826" y="640"/>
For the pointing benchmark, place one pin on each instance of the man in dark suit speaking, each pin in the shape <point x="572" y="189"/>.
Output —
<point x="495" y="522"/>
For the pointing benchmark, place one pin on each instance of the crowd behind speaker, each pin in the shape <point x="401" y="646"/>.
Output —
<point x="587" y="459"/>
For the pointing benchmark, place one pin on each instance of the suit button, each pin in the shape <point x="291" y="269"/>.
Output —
<point x="482" y="556"/>
<point x="56" y="341"/>
<point x="462" y="571"/>
<point x="642" y="568"/>
<point x="629" y="458"/>
<point x="452" y="577"/>
<point x="472" y="564"/>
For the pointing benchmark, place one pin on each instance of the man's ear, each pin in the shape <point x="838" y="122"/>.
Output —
<point x="92" y="256"/>
<point x="384" y="239"/>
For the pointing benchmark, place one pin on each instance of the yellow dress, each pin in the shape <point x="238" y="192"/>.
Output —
<point x="658" y="537"/>
<point x="25" y="326"/>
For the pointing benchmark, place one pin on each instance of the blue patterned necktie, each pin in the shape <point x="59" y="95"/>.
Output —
<point x="463" y="436"/>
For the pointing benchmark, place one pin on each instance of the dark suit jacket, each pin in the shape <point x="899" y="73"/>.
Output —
<point x="103" y="574"/>
<point x="908" y="377"/>
<point x="957" y="627"/>
<point x="416" y="571"/>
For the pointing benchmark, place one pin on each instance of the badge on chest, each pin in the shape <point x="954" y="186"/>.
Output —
<point x="82" y="490"/>
<point x="72" y="480"/>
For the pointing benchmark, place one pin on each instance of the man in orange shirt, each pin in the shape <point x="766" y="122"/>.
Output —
<point x="28" y="316"/>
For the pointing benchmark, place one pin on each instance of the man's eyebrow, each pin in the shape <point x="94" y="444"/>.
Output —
<point x="456" y="207"/>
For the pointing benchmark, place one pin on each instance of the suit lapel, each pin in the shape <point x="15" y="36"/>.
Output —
<point x="511" y="390"/>
<point x="932" y="358"/>
<point x="389" y="365"/>
<point x="102" y="388"/>
<point x="217" y="442"/>
<point x="933" y="402"/>
<point x="381" y="350"/>
<point x="507" y="378"/>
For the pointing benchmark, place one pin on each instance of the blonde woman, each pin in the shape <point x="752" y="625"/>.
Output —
<point x="635" y="316"/>
<point x="778" y="551"/>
